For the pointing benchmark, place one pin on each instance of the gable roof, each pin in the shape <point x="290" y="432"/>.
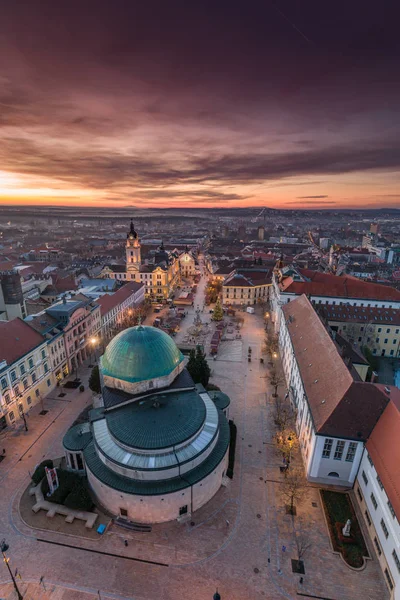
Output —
<point x="384" y="448"/>
<point x="110" y="301"/>
<point x="339" y="406"/>
<point x="17" y="339"/>
<point x="325" y="284"/>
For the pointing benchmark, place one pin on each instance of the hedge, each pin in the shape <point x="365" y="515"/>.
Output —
<point x="40" y="471"/>
<point x="66" y="482"/>
<point x="79" y="498"/>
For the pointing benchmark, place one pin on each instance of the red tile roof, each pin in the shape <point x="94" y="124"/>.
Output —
<point x="325" y="284"/>
<point x="339" y="406"/>
<point x="384" y="448"/>
<point x="17" y="339"/>
<point x="360" y="314"/>
<point x="110" y="301"/>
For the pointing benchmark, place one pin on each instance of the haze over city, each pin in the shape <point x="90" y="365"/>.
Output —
<point x="279" y="104"/>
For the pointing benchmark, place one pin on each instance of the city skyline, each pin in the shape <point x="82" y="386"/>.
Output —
<point x="280" y="105"/>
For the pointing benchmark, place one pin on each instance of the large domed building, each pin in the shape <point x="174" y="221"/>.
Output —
<point x="157" y="447"/>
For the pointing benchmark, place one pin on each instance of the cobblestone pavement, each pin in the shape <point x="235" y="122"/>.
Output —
<point x="236" y="543"/>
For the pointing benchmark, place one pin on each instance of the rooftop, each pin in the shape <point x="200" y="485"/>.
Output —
<point x="384" y="448"/>
<point x="110" y="301"/>
<point x="360" y="314"/>
<point x="158" y="421"/>
<point x="339" y="405"/>
<point x="315" y="283"/>
<point x="17" y="339"/>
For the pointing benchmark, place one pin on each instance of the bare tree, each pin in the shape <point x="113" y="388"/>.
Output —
<point x="302" y="543"/>
<point x="275" y="380"/>
<point x="293" y="489"/>
<point x="272" y="345"/>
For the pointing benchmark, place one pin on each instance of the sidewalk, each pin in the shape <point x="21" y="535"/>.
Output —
<point x="50" y="591"/>
<point x="17" y="442"/>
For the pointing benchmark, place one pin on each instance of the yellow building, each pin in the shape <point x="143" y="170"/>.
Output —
<point x="187" y="264"/>
<point x="160" y="277"/>
<point x="376" y="328"/>
<point x="25" y="370"/>
<point x="246" y="288"/>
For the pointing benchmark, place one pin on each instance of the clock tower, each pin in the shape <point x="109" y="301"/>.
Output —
<point x="133" y="259"/>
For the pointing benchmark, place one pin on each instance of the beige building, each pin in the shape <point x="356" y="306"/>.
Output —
<point x="187" y="264"/>
<point x="25" y="370"/>
<point x="376" y="328"/>
<point x="160" y="277"/>
<point x="246" y="287"/>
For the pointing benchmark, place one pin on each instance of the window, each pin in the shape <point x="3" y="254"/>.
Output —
<point x="29" y="400"/>
<point x="43" y="354"/>
<point x="388" y="579"/>
<point x="327" y="448"/>
<point x="368" y="518"/>
<point x="387" y="330"/>
<point x="385" y="341"/>
<point x="33" y="377"/>
<point x="364" y="477"/>
<point x="396" y="560"/>
<point x="370" y="460"/>
<point x="37" y="393"/>
<point x="183" y="510"/>
<point x="25" y="382"/>
<point x="30" y="362"/>
<point x="359" y="493"/>
<point x="374" y="502"/>
<point x="391" y="509"/>
<point x="377" y="340"/>
<point x="22" y="369"/>
<point x="46" y="367"/>
<point x="48" y="383"/>
<point x="333" y="474"/>
<point x="379" y="482"/>
<point x="123" y="512"/>
<point x="351" y="451"/>
<point x="7" y="399"/>
<point x="377" y="546"/>
<point x="339" y="450"/>
<point x="13" y="376"/>
<point x="379" y="329"/>
<point x="4" y="383"/>
<point x="11" y="415"/>
<point x="384" y="528"/>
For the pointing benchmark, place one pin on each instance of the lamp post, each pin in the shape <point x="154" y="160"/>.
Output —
<point x="21" y="412"/>
<point x="4" y="547"/>
<point x="93" y="343"/>
<point x="217" y="596"/>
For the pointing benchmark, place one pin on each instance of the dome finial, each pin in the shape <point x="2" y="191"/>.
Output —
<point x="139" y="322"/>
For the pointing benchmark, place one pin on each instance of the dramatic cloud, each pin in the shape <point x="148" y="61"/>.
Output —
<point x="195" y="102"/>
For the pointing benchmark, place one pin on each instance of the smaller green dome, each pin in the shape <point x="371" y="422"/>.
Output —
<point x="141" y="354"/>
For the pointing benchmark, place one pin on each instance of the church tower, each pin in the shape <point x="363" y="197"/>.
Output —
<point x="133" y="259"/>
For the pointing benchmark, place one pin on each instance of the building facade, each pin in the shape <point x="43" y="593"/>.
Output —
<point x="52" y="332"/>
<point x="116" y="307"/>
<point x="325" y="398"/>
<point x="187" y="264"/>
<point x="160" y="277"/>
<point x="377" y="491"/>
<point x="246" y="287"/>
<point x="25" y="370"/>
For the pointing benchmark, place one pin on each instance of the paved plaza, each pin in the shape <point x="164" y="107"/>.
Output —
<point x="242" y="542"/>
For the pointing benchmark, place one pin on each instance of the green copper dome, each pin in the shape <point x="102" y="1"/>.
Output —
<point x="141" y="354"/>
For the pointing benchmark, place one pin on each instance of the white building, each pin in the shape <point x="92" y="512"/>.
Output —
<point x="335" y="413"/>
<point x="378" y="491"/>
<point x="324" y="288"/>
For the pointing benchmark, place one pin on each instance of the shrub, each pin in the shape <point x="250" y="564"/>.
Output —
<point x="79" y="498"/>
<point x="94" y="381"/>
<point x="40" y="471"/>
<point x="81" y="388"/>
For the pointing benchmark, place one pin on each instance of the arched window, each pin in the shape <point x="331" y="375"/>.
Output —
<point x="333" y="474"/>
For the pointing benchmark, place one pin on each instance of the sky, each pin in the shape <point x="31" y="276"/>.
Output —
<point x="283" y="103"/>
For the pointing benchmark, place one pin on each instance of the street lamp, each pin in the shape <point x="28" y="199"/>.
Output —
<point x="21" y="411"/>
<point x="217" y="596"/>
<point x="4" y="547"/>
<point x="93" y="343"/>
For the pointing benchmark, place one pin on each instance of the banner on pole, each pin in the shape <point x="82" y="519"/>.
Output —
<point x="52" y="480"/>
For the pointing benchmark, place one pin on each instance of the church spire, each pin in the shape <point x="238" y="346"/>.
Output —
<point x="132" y="231"/>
